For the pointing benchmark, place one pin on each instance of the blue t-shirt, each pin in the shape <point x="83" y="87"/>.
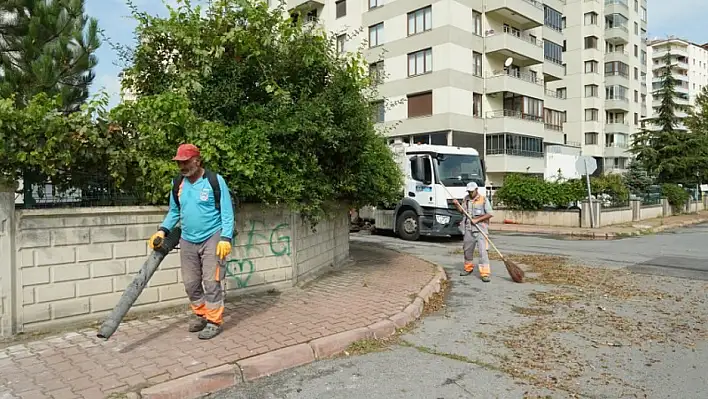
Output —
<point x="197" y="212"/>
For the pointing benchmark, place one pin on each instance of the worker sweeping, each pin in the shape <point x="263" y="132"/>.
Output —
<point x="477" y="206"/>
<point x="202" y="202"/>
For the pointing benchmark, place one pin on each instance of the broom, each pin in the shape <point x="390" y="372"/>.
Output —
<point x="512" y="268"/>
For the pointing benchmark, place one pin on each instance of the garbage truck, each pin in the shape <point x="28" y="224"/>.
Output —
<point x="425" y="208"/>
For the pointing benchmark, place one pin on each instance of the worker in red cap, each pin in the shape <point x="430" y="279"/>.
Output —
<point x="201" y="202"/>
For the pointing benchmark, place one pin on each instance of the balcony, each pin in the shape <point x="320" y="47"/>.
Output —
<point x="511" y="121"/>
<point x="553" y="70"/>
<point x="524" y="49"/>
<point x="617" y="127"/>
<point x="526" y="14"/>
<point x="514" y="161"/>
<point x="616" y="150"/>
<point x="292" y="4"/>
<point x="616" y="7"/>
<point x="553" y="134"/>
<point x="516" y="82"/>
<point x="621" y="56"/>
<point x="617" y="35"/>
<point x="660" y="53"/>
<point x="554" y="101"/>
<point x="617" y="104"/>
<point x="616" y="78"/>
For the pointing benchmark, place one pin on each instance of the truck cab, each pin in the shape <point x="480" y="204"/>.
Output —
<point x="426" y="208"/>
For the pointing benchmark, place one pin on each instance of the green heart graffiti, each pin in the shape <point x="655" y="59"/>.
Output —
<point x="240" y="276"/>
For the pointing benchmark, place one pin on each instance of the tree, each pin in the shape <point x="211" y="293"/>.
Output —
<point x="667" y="152"/>
<point x="272" y="105"/>
<point x="47" y="47"/>
<point x="697" y="123"/>
<point x="637" y="179"/>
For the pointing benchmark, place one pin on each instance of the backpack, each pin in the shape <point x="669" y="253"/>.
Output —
<point x="213" y="181"/>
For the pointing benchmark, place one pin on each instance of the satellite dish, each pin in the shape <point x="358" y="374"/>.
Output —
<point x="508" y="62"/>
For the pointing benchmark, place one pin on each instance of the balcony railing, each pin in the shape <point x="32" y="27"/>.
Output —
<point x="523" y="36"/>
<point x="621" y="27"/>
<point x="551" y="126"/>
<point x="515" y="152"/>
<point x="535" y="3"/>
<point x="617" y="73"/>
<point x="616" y="2"/>
<point x="554" y="94"/>
<point x="525" y="76"/>
<point x="616" y="145"/>
<point x="617" y="98"/>
<point x="510" y="113"/>
<point x="553" y="60"/>
<point x="612" y="124"/>
<point x="573" y="143"/>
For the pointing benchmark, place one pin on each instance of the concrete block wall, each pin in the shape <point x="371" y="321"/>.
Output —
<point x="66" y="265"/>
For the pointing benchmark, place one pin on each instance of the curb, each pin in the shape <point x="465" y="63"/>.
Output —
<point x="197" y="385"/>
<point x="607" y="236"/>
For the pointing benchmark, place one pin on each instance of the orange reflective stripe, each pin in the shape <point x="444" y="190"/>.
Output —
<point x="217" y="276"/>
<point x="469" y="267"/>
<point x="215" y="316"/>
<point x="199" y="310"/>
<point x="484" y="270"/>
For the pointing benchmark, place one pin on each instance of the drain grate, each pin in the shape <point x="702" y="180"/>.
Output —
<point x="674" y="266"/>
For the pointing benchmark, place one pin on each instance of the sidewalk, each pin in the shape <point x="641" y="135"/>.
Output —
<point x="608" y="232"/>
<point x="372" y="292"/>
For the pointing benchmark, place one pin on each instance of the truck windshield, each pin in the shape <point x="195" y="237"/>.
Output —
<point x="458" y="170"/>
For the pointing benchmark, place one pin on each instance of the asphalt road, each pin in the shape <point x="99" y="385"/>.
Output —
<point x="444" y="357"/>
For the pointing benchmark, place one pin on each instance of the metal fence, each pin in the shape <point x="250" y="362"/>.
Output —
<point x="89" y="191"/>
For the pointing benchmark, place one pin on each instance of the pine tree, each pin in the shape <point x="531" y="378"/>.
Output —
<point x="667" y="152"/>
<point x="47" y="46"/>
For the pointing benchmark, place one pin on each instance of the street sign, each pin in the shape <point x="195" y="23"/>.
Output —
<point x="586" y="161"/>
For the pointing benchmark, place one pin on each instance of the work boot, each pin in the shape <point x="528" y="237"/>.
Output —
<point x="197" y="323"/>
<point x="469" y="269"/>
<point x="210" y="331"/>
<point x="486" y="279"/>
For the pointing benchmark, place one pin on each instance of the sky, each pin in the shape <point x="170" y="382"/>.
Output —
<point x="683" y="18"/>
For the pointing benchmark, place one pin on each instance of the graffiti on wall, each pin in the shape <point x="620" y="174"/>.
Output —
<point x="259" y="241"/>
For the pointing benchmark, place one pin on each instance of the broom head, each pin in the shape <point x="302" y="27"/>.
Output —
<point x="514" y="271"/>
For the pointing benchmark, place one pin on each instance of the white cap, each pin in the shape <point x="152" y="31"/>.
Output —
<point x="471" y="186"/>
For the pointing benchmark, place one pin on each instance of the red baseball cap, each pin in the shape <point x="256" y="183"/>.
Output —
<point x="186" y="152"/>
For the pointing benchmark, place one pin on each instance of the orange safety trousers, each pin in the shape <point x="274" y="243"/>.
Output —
<point x="204" y="276"/>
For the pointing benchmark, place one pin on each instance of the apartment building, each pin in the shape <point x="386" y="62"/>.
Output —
<point x="689" y="65"/>
<point x="520" y="80"/>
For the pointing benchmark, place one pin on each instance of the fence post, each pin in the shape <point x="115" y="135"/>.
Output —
<point x="665" y="207"/>
<point x="636" y="206"/>
<point x="7" y="260"/>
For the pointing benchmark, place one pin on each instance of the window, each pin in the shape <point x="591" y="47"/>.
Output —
<point x="636" y="96"/>
<point x="636" y="5"/>
<point x="552" y="18"/>
<point x="562" y="92"/>
<point x="420" y="20"/>
<point x="592" y="91"/>
<point x="341" y="6"/>
<point x="591" y="138"/>
<point x="477" y="105"/>
<point x="616" y="93"/>
<point x="636" y="28"/>
<point x="420" y="104"/>
<point x="554" y="119"/>
<point x="591" y="18"/>
<point x="477" y="64"/>
<point x="617" y="68"/>
<point x="615" y="140"/>
<point x="592" y="114"/>
<point x="514" y="144"/>
<point x="644" y="57"/>
<point x="379" y="111"/>
<point x="523" y="107"/>
<point x="616" y="21"/>
<point x="477" y="20"/>
<point x="376" y="71"/>
<point x="643" y="14"/>
<point x="591" y="66"/>
<point x="636" y="50"/>
<point x="614" y="117"/>
<point x="636" y="73"/>
<point x="636" y="118"/>
<point x="420" y="62"/>
<point x="376" y="35"/>
<point x="590" y="42"/>
<point x="375" y="3"/>
<point x="341" y="39"/>
<point x="553" y="52"/>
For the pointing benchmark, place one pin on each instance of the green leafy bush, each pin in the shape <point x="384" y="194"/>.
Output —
<point x="676" y="195"/>
<point x="272" y="105"/>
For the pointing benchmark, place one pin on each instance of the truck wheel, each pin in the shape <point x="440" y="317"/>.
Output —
<point x="408" y="227"/>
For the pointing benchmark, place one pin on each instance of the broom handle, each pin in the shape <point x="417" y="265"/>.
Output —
<point x="486" y="237"/>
